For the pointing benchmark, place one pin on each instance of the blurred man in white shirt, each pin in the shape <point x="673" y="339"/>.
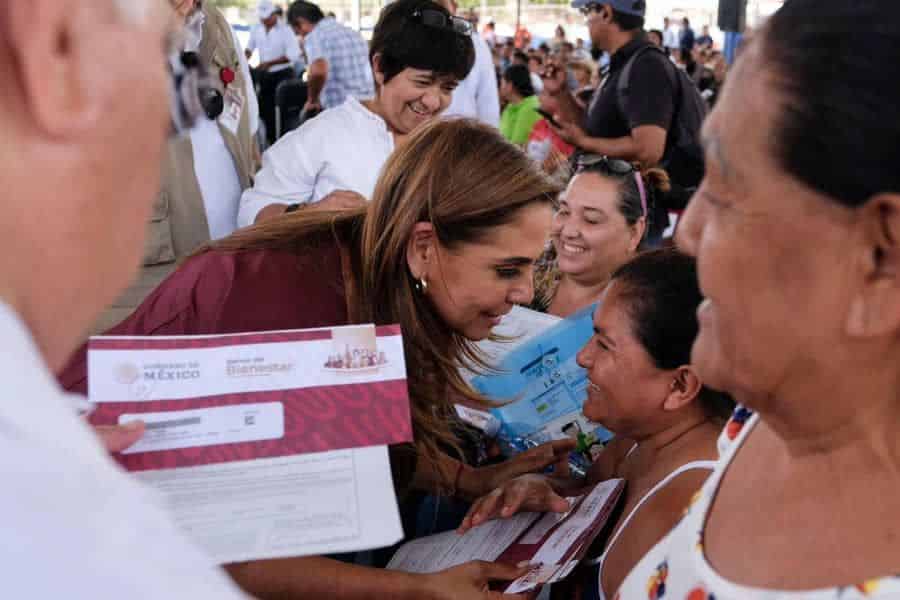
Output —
<point x="278" y="51"/>
<point x="477" y="96"/>
<point x="78" y="196"/>
<point x="671" y="37"/>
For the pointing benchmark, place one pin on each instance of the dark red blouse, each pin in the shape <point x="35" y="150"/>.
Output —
<point x="233" y="292"/>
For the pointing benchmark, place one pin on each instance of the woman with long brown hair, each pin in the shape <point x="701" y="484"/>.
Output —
<point x="446" y="247"/>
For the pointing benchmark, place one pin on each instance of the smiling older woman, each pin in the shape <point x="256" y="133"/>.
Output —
<point x="796" y="229"/>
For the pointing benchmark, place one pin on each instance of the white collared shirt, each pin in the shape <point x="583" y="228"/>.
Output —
<point x="477" y="95"/>
<point x="74" y="524"/>
<point x="344" y="148"/>
<point x="672" y="37"/>
<point x="274" y="43"/>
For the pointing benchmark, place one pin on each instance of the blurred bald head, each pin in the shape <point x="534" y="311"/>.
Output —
<point x="85" y="116"/>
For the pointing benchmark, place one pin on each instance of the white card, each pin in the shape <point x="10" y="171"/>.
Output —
<point x="171" y="430"/>
<point x="541" y="575"/>
<point x="234" y="104"/>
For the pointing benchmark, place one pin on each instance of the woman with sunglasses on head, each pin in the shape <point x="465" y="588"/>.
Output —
<point x="645" y="390"/>
<point x="446" y="247"/>
<point x="599" y="224"/>
<point x="419" y="53"/>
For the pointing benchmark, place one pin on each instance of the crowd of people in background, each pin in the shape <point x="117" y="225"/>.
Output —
<point x="739" y="236"/>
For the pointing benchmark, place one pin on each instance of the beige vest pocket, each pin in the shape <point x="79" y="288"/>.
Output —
<point x="159" y="248"/>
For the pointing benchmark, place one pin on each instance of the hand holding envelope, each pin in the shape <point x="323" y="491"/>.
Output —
<point x="470" y="581"/>
<point x="531" y="493"/>
<point x="116" y="438"/>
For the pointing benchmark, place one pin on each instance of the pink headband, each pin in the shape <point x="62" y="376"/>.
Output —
<point x="641" y="191"/>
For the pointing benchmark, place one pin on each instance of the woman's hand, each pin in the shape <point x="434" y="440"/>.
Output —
<point x="482" y="480"/>
<point x="571" y="134"/>
<point x="116" y="438"/>
<point x="470" y="582"/>
<point x="531" y="493"/>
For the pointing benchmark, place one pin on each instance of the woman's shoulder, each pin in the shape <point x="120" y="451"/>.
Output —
<point x="344" y="119"/>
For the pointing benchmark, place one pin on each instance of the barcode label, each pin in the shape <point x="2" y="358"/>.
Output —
<point x="174" y="423"/>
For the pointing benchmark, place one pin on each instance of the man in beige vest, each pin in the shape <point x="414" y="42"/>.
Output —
<point x="205" y="173"/>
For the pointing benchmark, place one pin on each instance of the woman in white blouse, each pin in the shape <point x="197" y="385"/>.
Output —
<point x="419" y="53"/>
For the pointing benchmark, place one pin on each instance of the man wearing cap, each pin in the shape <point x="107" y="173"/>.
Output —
<point x="278" y="50"/>
<point x="205" y="172"/>
<point x="636" y="131"/>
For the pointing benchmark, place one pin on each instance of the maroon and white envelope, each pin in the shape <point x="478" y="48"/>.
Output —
<point x="211" y="399"/>
<point x="558" y="542"/>
<point x="554" y="543"/>
<point x="264" y="444"/>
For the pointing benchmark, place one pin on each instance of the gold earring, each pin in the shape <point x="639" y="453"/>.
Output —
<point x="423" y="285"/>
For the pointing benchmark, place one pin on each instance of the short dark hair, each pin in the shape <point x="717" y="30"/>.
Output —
<point x="519" y="55"/>
<point x="403" y="41"/>
<point x="520" y="78"/>
<point x="300" y="9"/>
<point x="837" y="127"/>
<point x="661" y="296"/>
<point x="626" y="21"/>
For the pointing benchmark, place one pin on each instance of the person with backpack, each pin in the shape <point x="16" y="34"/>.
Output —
<point x="646" y="110"/>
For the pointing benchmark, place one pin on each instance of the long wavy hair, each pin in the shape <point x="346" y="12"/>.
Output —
<point x="464" y="179"/>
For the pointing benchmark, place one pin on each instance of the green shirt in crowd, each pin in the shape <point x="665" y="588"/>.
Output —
<point x="518" y="120"/>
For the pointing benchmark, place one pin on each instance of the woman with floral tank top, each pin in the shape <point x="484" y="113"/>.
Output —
<point x="796" y="230"/>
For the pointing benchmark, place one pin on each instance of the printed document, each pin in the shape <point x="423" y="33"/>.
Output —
<point x="555" y="542"/>
<point x="264" y="445"/>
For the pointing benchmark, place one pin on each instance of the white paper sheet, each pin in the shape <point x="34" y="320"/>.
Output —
<point x="449" y="549"/>
<point x="520" y="324"/>
<point x="309" y="504"/>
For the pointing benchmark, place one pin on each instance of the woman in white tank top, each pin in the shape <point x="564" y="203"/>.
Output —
<point x="643" y="388"/>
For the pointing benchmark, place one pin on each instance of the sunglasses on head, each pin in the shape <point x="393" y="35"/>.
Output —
<point x="589" y="8"/>
<point x="613" y="166"/>
<point x="439" y="20"/>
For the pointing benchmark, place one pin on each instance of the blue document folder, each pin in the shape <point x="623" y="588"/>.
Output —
<point x="544" y="387"/>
